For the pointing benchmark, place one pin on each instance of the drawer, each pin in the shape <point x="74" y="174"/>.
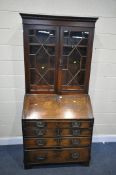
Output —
<point x="57" y="142"/>
<point x="40" y="132"/>
<point x="60" y="124"/>
<point x="57" y="155"/>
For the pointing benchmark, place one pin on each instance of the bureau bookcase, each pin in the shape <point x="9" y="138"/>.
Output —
<point x="57" y="118"/>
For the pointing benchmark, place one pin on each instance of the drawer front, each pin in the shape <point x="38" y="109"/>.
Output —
<point x="57" y="156"/>
<point x="58" y="124"/>
<point x="40" y="132"/>
<point x="57" y="142"/>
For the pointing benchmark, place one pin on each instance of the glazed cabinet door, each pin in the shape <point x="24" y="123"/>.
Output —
<point x="75" y="58"/>
<point x="41" y="45"/>
<point x="57" y="58"/>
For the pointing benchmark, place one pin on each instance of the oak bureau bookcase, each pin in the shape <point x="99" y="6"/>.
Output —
<point x="57" y="118"/>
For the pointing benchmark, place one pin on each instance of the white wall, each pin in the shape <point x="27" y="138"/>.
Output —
<point x="103" y="71"/>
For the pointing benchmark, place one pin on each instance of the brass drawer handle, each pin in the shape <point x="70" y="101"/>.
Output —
<point x="41" y="158"/>
<point x="41" y="142"/>
<point x="76" y="124"/>
<point x="76" y="132"/>
<point x="40" y="132"/>
<point x="75" y="142"/>
<point x="40" y="124"/>
<point x="75" y="155"/>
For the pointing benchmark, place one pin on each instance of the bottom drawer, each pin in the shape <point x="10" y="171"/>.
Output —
<point x="42" y="156"/>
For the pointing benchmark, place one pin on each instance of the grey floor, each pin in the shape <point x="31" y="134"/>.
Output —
<point x="103" y="162"/>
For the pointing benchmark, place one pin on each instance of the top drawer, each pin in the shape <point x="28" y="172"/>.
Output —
<point x="59" y="124"/>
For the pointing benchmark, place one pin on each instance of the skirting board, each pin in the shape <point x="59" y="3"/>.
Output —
<point x="19" y="140"/>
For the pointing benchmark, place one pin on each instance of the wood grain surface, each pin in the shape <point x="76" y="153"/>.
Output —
<point x="57" y="107"/>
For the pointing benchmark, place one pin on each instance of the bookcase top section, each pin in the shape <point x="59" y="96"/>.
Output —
<point x="27" y="19"/>
<point x="68" y="18"/>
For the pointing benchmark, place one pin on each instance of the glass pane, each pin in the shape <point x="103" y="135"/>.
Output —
<point x="65" y="77"/>
<point x="67" y="50"/>
<point x="45" y="36"/>
<point x="42" y="35"/>
<point x="42" y="57"/>
<point x="32" y="39"/>
<point x="83" y="42"/>
<point x="74" y="62"/>
<point x="80" y="78"/>
<point x="75" y="38"/>
<point x="83" y="51"/>
<point x="42" y="61"/>
<point x="74" y="58"/>
<point x="42" y="81"/>
<point x="50" y="77"/>
<point x="34" y="77"/>
<point x="50" y="50"/>
<point x="34" y="49"/>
